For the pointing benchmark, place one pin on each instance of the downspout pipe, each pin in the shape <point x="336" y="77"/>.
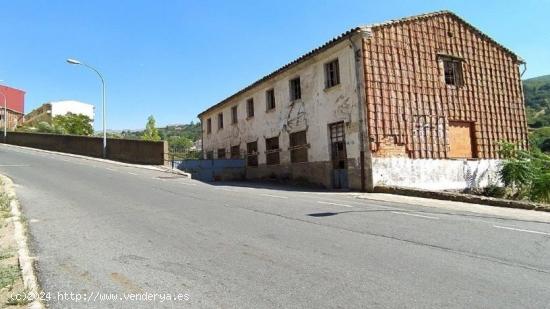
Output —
<point x="358" y="89"/>
<point x="202" y="141"/>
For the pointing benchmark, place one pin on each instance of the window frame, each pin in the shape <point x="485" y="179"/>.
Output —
<point x="238" y="152"/>
<point x="210" y="155"/>
<point x="250" y="108"/>
<point x="234" y="115"/>
<point x="221" y="153"/>
<point x="252" y="156"/>
<point x="272" y="156"/>
<point x="455" y="78"/>
<point x="209" y="125"/>
<point x="332" y="73"/>
<point x="295" y="93"/>
<point x="220" y="121"/>
<point x="295" y="148"/>
<point x="270" y="103"/>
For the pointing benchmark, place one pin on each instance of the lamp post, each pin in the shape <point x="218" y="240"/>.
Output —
<point x="76" y="62"/>
<point x="5" y="116"/>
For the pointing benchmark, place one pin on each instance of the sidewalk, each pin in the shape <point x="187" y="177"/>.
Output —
<point x="523" y="214"/>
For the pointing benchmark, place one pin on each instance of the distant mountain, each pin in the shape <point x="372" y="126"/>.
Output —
<point x="537" y="101"/>
<point x="191" y="131"/>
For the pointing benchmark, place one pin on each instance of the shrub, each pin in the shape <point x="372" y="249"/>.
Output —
<point x="526" y="174"/>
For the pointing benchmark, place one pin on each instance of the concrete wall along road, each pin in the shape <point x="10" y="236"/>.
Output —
<point x="125" y="150"/>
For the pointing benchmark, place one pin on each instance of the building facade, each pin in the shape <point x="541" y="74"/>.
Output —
<point x="15" y="106"/>
<point x="419" y="102"/>
<point x="47" y="111"/>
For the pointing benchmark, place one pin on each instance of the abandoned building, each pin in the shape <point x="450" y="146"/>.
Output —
<point x="418" y="102"/>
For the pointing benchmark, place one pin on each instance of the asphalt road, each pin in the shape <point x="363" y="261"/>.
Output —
<point x="101" y="229"/>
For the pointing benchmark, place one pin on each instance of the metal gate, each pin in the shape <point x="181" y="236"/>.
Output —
<point x="338" y="156"/>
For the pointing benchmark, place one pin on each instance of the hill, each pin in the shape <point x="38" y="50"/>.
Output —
<point x="191" y="131"/>
<point x="537" y="101"/>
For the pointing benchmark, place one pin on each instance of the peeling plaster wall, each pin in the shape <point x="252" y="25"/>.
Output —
<point x="317" y="108"/>
<point x="435" y="174"/>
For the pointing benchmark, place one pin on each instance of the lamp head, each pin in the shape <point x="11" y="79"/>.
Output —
<point x="73" y="61"/>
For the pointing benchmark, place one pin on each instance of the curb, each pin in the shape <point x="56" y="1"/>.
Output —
<point x="159" y="168"/>
<point x="25" y="260"/>
<point x="462" y="197"/>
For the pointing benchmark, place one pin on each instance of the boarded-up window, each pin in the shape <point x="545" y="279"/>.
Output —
<point x="270" y="99"/>
<point x="252" y="154"/>
<point x="210" y="155"/>
<point x="298" y="147"/>
<point x="221" y="153"/>
<point x="208" y="126"/>
<point x="236" y="152"/>
<point x="272" y="150"/>
<point x="250" y="108"/>
<point x="234" y="118"/>
<point x="460" y="140"/>
<point x="295" y="89"/>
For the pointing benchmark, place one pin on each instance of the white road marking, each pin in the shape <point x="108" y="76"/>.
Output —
<point x="414" y="215"/>
<point x="275" y="196"/>
<point x="520" y="230"/>
<point x="13" y="165"/>
<point x="335" y="204"/>
<point x="111" y="169"/>
<point x="132" y="173"/>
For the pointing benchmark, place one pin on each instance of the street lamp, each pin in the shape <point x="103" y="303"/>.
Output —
<point x="76" y="62"/>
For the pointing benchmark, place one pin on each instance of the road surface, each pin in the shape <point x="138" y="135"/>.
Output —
<point x="100" y="229"/>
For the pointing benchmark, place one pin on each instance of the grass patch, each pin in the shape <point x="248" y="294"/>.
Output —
<point x="17" y="299"/>
<point x="4" y="201"/>
<point x="8" y="275"/>
<point x="6" y="254"/>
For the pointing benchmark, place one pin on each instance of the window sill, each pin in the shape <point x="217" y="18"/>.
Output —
<point x="271" y="110"/>
<point x="329" y="89"/>
<point x="292" y="102"/>
<point x="454" y="87"/>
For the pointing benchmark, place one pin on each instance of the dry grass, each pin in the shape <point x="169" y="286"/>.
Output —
<point x="11" y="282"/>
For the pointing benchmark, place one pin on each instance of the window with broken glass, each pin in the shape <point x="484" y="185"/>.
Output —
<point x="272" y="150"/>
<point x="252" y="154"/>
<point x="298" y="147"/>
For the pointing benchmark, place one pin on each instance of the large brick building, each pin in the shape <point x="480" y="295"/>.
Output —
<point x="15" y="100"/>
<point x="420" y="102"/>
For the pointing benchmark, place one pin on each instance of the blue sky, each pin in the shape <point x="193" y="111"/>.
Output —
<point x="173" y="59"/>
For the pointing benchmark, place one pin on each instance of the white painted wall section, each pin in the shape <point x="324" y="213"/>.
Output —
<point x="61" y="108"/>
<point x="434" y="174"/>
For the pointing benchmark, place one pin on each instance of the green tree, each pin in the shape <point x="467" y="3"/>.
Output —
<point x="75" y="124"/>
<point x="151" y="133"/>
<point x="180" y="143"/>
